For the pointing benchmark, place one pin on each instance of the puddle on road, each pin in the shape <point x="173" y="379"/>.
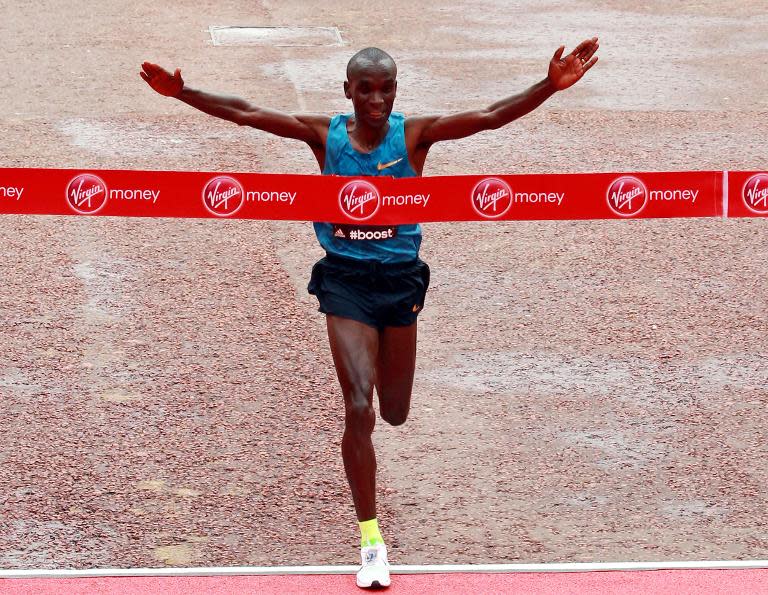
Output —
<point x="103" y="277"/>
<point x="617" y="449"/>
<point x="275" y="36"/>
<point x="646" y="381"/>
<point x="692" y="509"/>
<point x="132" y="138"/>
<point x="175" y="555"/>
<point x="18" y="382"/>
<point x="34" y="544"/>
<point x="119" y="396"/>
<point x="522" y="35"/>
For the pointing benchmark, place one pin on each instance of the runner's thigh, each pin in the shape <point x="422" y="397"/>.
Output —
<point x="354" y="347"/>
<point x="395" y="366"/>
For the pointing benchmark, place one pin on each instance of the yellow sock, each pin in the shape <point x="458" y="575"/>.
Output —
<point x="369" y="531"/>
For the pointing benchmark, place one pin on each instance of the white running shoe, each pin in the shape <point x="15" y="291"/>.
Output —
<point x="375" y="569"/>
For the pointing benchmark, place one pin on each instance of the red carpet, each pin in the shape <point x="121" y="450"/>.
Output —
<point x="679" y="582"/>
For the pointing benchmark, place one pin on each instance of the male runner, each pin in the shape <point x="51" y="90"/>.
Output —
<point x="372" y="290"/>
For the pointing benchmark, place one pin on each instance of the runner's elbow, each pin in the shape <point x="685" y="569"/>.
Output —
<point x="492" y="120"/>
<point x="245" y="117"/>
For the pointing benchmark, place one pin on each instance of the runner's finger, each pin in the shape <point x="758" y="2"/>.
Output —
<point x="586" y="50"/>
<point x="580" y="47"/>
<point x="152" y="68"/>
<point x="590" y="64"/>
<point x="586" y="55"/>
<point x="148" y="68"/>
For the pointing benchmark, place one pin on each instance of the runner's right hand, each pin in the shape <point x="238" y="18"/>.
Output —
<point x="161" y="80"/>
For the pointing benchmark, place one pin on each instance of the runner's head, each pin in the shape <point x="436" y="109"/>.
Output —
<point x="371" y="85"/>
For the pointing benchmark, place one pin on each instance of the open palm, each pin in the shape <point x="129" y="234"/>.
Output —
<point x="564" y="72"/>
<point x="161" y="80"/>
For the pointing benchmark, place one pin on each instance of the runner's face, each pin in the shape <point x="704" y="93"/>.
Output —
<point x="372" y="91"/>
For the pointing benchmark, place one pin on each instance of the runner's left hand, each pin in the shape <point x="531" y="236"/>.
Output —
<point x="564" y="72"/>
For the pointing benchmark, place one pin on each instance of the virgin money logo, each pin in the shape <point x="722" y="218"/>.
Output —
<point x="627" y="196"/>
<point x="86" y="194"/>
<point x="223" y="196"/>
<point x="491" y="198"/>
<point x="755" y="194"/>
<point x="359" y="200"/>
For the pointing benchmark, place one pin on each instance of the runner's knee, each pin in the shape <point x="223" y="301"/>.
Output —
<point x="360" y="416"/>
<point x="395" y="416"/>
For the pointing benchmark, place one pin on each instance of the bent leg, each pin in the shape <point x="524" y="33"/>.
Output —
<point x="354" y="347"/>
<point x="395" y="367"/>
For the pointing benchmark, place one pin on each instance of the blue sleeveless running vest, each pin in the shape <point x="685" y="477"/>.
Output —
<point x="342" y="160"/>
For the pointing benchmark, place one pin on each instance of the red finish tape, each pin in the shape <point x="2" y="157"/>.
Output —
<point x="382" y="200"/>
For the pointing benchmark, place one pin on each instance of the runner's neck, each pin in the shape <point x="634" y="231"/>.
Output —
<point x="365" y="139"/>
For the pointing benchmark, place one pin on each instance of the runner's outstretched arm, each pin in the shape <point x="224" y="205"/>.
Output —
<point x="310" y="128"/>
<point x="563" y="72"/>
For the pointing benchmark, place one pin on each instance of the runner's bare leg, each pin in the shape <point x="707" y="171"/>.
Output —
<point x="394" y="372"/>
<point x="354" y="347"/>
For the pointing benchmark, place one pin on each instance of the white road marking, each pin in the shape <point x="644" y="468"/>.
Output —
<point x="395" y="569"/>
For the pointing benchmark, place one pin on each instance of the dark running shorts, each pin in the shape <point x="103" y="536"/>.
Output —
<point x="370" y="292"/>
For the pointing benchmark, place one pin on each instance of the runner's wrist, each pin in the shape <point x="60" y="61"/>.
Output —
<point x="548" y="86"/>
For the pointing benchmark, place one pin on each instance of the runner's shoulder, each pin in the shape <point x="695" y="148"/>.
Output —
<point x="319" y="123"/>
<point x="314" y="120"/>
<point x="421" y="120"/>
<point x="416" y="125"/>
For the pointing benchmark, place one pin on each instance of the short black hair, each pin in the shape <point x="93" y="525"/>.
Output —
<point x="366" y="57"/>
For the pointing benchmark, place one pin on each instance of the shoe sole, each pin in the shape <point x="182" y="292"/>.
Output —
<point x="373" y="585"/>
